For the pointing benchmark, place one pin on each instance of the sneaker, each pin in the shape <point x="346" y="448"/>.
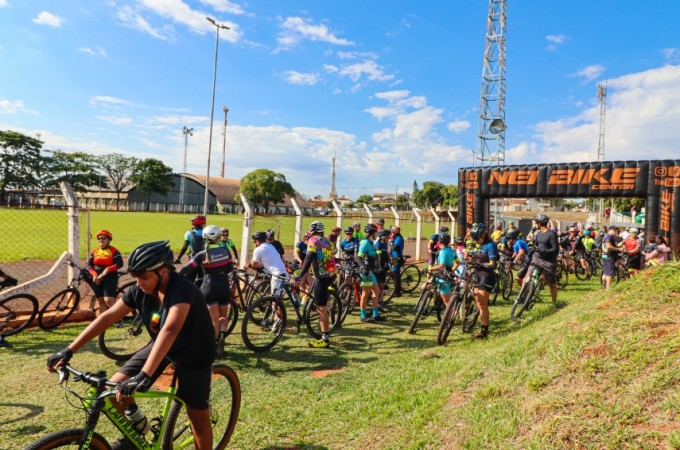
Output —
<point x="220" y="347"/>
<point x="379" y="318"/>
<point x="319" y="344"/>
<point x="276" y="326"/>
<point x="483" y="334"/>
<point x="367" y="319"/>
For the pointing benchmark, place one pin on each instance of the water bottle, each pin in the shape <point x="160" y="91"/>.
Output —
<point x="137" y="417"/>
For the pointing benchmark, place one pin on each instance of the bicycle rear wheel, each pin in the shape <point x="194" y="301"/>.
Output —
<point x="16" y="313"/>
<point x="224" y="404"/>
<point x="69" y="439"/>
<point x="421" y="307"/>
<point x="507" y="284"/>
<point x="59" y="308"/>
<point x="470" y="314"/>
<point x="389" y="287"/>
<point x="263" y="324"/>
<point x="119" y="342"/>
<point x="524" y="297"/>
<point x="449" y="318"/>
<point x="348" y="299"/>
<point x="311" y="315"/>
<point x="410" y="278"/>
<point x="581" y="273"/>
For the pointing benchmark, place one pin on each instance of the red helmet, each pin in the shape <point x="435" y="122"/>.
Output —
<point x="198" y="220"/>
<point x="106" y="233"/>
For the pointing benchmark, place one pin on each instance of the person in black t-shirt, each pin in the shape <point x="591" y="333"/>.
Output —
<point x="546" y="254"/>
<point x="176" y="317"/>
<point x="271" y="234"/>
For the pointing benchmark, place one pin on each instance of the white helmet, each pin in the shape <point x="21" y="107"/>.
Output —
<point x="212" y="233"/>
<point x="633" y="230"/>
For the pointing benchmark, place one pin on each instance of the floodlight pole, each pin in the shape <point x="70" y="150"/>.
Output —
<point x="224" y="140"/>
<point x="212" y="109"/>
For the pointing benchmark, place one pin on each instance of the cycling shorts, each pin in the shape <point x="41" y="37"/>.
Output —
<point x="215" y="296"/>
<point x="193" y="385"/>
<point x="368" y="280"/>
<point x="107" y="287"/>
<point x="445" y="287"/>
<point x="634" y="262"/>
<point x="485" y="280"/>
<point x="320" y="290"/>
<point x="381" y="276"/>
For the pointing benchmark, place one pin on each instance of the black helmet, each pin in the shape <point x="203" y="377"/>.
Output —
<point x="380" y="221"/>
<point x="384" y="233"/>
<point x="316" y="228"/>
<point x="444" y="229"/>
<point x="370" y="228"/>
<point x="151" y="256"/>
<point x="512" y="233"/>
<point x="477" y="230"/>
<point x="349" y="230"/>
<point x="260" y="236"/>
<point x="270" y="234"/>
<point x="445" y="238"/>
<point x="459" y="241"/>
<point x="542" y="219"/>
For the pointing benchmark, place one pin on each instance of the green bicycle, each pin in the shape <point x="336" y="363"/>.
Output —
<point x="169" y="430"/>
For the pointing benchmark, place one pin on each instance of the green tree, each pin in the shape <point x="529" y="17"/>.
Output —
<point x="152" y="176"/>
<point x="432" y="194"/>
<point x="20" y="162"/>
<point x="450" y="197"/>
<point x="364" y="199"/>
<point x="78" y="168"/>
<point x="264" y="186"/>
<point x="118" y="169"/>
<point x="402" y="201"/>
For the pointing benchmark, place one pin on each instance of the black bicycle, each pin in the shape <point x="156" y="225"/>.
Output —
<point x="17" y="311"/>
<point x="462" y="307"/>
<point x="529" y="292"/>
<point x="423" y="309"/>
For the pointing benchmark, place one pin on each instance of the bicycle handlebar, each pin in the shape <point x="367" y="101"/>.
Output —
<point x="95" y="379"/>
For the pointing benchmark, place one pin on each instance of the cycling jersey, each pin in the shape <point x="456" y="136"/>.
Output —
<point x="321" y="256"/>
<point x="576" y="243"/>
<point x="588" y="243"/>
<point x="359" y="235"/>
<point x="104" y="258"/>
<point x="301" y="250"/>
<point x="349" y="247"/>
<point x="217" y="264"/>
<point x="487" y="252"/>
<point x="546" y="244"/>
<point x="397" y="250"/>
<point x="229" y="245"/>
<point x="195" y="239"/>
<point x="448" y="257"/>
<point x="380" y="248"/>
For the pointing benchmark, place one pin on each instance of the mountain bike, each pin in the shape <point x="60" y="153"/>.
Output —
<point x="169" y="427"/>
<point x="264" y="322"/>
<point x="410" y="275"/>
<point x="504" y="280"/>
<point x="60" y="307"/>
<point x="462" y="306"/>
<point x="349" y="292"/>
<point x="17" y="311"/>
<point x="529" y="292"/>
<point x="430" y="291"/>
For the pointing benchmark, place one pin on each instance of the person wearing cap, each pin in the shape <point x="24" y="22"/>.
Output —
<point x="193" y="242"/>
<point x="271" y="234"/>
<point x="633" y="247"/>
<point x="397" y="254"/>
<point x="358" y="233"/>
<point x="103" y="264"/>
<point x="610" y="254"/>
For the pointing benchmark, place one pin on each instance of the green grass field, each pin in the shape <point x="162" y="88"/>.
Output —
<point x="43" y="234"/>
<point x="597" y="371"/>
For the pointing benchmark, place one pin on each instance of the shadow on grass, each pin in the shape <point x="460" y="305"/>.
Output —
<point x="12" y="411"/>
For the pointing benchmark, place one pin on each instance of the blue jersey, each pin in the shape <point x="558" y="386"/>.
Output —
<point x="447" y="257"/>
<point x="520" y="245"/>
<point x="349" y="248"/>
<point x="398" y="246"/>
<point x="366" y="249"/>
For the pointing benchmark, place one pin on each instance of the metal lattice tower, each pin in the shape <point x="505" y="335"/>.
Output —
<point x="491" y="124"/>
<point x="182" y="186"/>
<point x="602" y="96"/>
<point x="333" y="194"/>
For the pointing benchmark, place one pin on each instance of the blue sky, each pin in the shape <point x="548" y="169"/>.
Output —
<point x="390" y="87"/>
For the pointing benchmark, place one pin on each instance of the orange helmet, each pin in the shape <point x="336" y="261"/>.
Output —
<point x="106" y="233"/>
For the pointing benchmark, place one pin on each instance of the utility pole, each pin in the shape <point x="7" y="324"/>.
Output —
<point x="224" y="140"/>
<point x="602" y="97"/>
<point x="183" y="184"/>
<point x="333" y="194"/>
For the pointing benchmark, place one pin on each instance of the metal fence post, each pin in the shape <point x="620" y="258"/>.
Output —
<point x="454" y="230"/>
<point x="437" y="220"/>
<point x="338" y="211"/>
<point x="397" y="218"/>
<point x="369" y="211"/>
<point x="245" y="234"/>
<point x="419" y="226"/>
<point x="298" y="221"/>
<point x="73" y="224"/>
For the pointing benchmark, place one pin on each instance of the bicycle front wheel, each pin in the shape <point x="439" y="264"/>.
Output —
<point x="348" y="299"/>
<point x="224" y="404"/>
<point x="449" y="318"/>
<point x="59" y="308"/>
<point x="470" y="314"/>
<point x="16" y="313"/>
<point x="263" y="324"/>
<point x="70" y="438"/>
<point x="120" y="341"/>
<point x="410" y="278"/>
<point x="508" y="279"/>
<point x="582" y="273"/>
<point x="523" y="299"/>
<point x="335" y="314"/>
<point x="421" y="307"/>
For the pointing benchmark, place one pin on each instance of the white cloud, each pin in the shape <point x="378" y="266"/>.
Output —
<point x="14" y="107"/>
<point x="672" y="55"/>
<point x="110" y="100"/>
<point x="641" y="123"/>
<point x="296" y="29"/>
<point x="369" y="69"/>
<point x="49" y="19"/>
<point x="4" y="3"/>
<point x="224" y="6"/>
<point x="98" y="52"/>
<point x="132" y="19"/>
<point x="589" y="73"/>
<point x="458" y="126"/>
<point x="302" y="79"/>
<point x="116" y="120"/>
<point x="555" y="40"/>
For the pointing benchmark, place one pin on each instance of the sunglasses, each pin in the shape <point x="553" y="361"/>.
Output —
<point x="102" y="239"/>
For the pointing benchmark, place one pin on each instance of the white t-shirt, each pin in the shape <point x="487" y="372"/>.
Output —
<point x="271" y="260"/>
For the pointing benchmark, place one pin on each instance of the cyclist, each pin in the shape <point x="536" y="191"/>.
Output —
<point x="397" y="253"/>
<point x="633" y="247"/>
<point x="381" y="249"/>
<point x="103" y="264"/>
<point x="357" y="231"/>
<point x="447" y="263"/>
<point x="496" y="235"/>
<point x="367" y="259"/>
<point x="380" y="223"/>
<point x="300" y="253"/>
<point x="433" y="245"/>
<point x="176" y="317"/>
<point x="545" y="255"/>
<point x="333" y="236"/>
<point x="610" y="254"/>
<point x="321" y="259"/>
<point x="271" y="234"/>
<point x="485" y="260"/>
<point x="216" y="263"/>
<point x="266" y="257"/>
<point x="193" y="241"/>
<point x="350" y="244"/>
<point x="518" y="248"/>
<point x="462" y="255"/>
<point x="588" y="241"/>
<point x="577" y="247"/>
<point x="229" y="244"/>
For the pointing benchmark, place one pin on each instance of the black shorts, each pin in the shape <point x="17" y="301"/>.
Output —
<point x="320" y="292"/>
<point x="193" y="385"/>
<point x="485" y="280"/>
<point x="215" y="295"/>
<point x="381" y="276"/>
<point x="634" y="262"/>
<point x="107" y="287"/>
